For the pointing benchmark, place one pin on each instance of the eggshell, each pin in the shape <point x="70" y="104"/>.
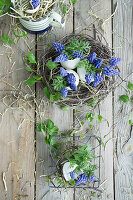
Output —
<point x="67" y="169"/>
<point x="81" y="72"/>
<point x="70" y="64"/>
<point x="76" y="76"/>
<point x="30" y="11"/>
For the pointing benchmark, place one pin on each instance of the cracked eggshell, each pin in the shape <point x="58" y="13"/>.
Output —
<point x="76" y="76"/>
<point x="67" y="169"/>
<point x="70" y="64"/>
<point x="81" y="72"/>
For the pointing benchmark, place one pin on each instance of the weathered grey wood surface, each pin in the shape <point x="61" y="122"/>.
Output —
<point x="23" y="153"/>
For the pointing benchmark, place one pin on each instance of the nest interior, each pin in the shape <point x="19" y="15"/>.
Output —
<point x="85" y="92"/>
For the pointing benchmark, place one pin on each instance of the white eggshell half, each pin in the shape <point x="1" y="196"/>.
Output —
<point x="67" y="169"/>
<point x="76" y="76"/>
<point x="82" y="72"/>
<point x="70" y="64"/>
<point x="30" y="11"/>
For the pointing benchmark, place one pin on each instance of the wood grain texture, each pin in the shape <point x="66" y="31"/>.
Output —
<point x="123" y="135"/>
<point x="87" y="14"/>
<point x="63" y="119"/>
<point x="16" y="127"/>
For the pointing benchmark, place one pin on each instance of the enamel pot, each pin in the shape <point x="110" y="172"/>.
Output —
<point x="53" y="19"/>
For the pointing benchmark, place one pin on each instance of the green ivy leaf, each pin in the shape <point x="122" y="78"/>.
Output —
<point x="52" y="141"/>
<point x="28" y="69"/>
<point x="48" y="180"/>
<point x="57" y="96"/>
<point x="64" y="9"/>
<point x="99" y="118"/>
<point x="32" y="58"/>
<point x="30" y="81"/>
<point x="130" y="122"/>
<point x="65" y="108"/>
<point x="37" y="77"/>
<point x="51" y="98"/>
<point x="90" y="117"/>
<point x="46" y="92"/>
<point x="73" y="1"/>
<point x="72" y="182"/>
<point x="50" y="124"/>
<point x="40" y="127"/>
<point x="51" y="65"/>
<point x="130" y="86"/>
<point x="6" y="39"/>
<point x="124" y="98"/>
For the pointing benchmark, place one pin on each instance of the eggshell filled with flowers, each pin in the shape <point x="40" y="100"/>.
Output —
<point x="76" y="77"/>
<point x="70" y="64"/>
<point x="67" y="171"/>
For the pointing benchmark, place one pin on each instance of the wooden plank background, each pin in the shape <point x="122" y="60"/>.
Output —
<point x="23" y="152"/>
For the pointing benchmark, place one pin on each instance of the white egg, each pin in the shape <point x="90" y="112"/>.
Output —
<point x="76" y="76"/>
<point x="67" y="169"/>
<point x="70" y="64"/>
<point x="30" y="11"/>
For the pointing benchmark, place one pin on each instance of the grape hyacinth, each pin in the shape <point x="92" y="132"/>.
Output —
<point x="91" y="179"/>
<point x="63" y="72"/>
<point x="58" y="47"/>
<point x="78" y="55"/>
<point x="92" y="57"/>
<point x="61" y="58"/>
<point x="98" y="63"/>
<point x="73" y="86"/>
<point x="97" y="79"/>
<point x="71" y="79"/>
<point x="64" y="93"/>
<point x="109" y="71"/>
<point x="82" y="179"/>
<point x="34" y="3"/>
<point x="72" y="175"/>
<point x="89" y="78"/>
<point x="114" y="61"/>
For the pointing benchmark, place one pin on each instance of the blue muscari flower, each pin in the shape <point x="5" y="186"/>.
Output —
<point x="98" y="62"/>
<point x="73" y="86"/>
<point x="72" y="175"/>
<point x="78" y="54"/>
<point x="89" y="78"/>
<point x="35" y="3"/>
<point x="91" y="179"/>
<point x="82" y="179"/>
<point x="97" y="79"/>
<point x="61" y="58"/>
<point x="71" y="79"/>
<point x="64" y="93"/>
<point x="63" y="72"/>
<point x="114" y="61"/>
<point x="92" y="57"/>
<point x="109" y="71"/>
<point x="58" y="47"/>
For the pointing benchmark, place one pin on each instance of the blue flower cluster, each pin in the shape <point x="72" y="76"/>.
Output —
<point x="89" y="78"/>
<point x="98" y="62"/>
<point x="35" y="3"/>
<point x="114" y="61"/>
<point x="92" y="57"/>
<point x="64" y="93"/>
<point x="63" y="72"/>
<point x="91" y="179"/>
<point x="72" y="175"/>
<point x="97" y="79"/>
<point x="78" y="55"/>
<point x="61" y="58"/>
<point x="109" y="71"/>
<point x="58" y="47"/>
<point x="70" y="79"/>
<point x="82" y="179"/>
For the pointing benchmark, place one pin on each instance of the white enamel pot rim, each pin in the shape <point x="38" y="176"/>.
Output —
<point x="51" y="19"/>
